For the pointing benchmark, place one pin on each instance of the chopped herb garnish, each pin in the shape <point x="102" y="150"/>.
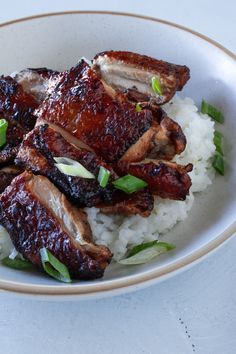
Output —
<point x="213" y="112"/>
<point x="218" y="138"/>
<point x="144" y="252"/>
<point x="156" y="86"/>
<point x="138" y="107"/>
<point x="218" y="164"/>
<point x="103" y="176"/>
<point x="129" y="184"/>
<point x="3" y="132"/>
<point x="72" y="168"/>
<point x="16" y="263"/>
<point x="54" y="267"/>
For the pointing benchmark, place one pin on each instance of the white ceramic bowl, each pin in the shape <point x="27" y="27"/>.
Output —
<point x="57" y="41"/>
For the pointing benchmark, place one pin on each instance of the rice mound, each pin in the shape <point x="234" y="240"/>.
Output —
<point x="120" y="233"/>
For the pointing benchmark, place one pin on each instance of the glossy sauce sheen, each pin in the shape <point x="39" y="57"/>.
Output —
<point x="165" y="179"/>
<point x="32" y="226"/>
<point x="17" y="107"/>
<point x="43" y="144"/>
<point x="80" y="105"/>
<point x="37" y="152"/>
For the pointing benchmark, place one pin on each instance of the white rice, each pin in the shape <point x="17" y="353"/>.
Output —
<point x="6" y="246"/>
<point x="120" y="233"/>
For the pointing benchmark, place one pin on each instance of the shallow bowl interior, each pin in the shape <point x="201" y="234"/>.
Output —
<point x="58" y="42"/>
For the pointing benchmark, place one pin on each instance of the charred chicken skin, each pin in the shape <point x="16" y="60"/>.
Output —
<point x="37" y="154"/>
<point x="165" y="179"/>
<point x="81" y="105"/>
<point x="37" y="81"/>
<point x="140" y="203"/>
<point x="132" y="73"/>
<point x="163" y="140"/>
<point x="17" y="107"/>
<point x="7" y="174"/>
<point x="37" y="215"/>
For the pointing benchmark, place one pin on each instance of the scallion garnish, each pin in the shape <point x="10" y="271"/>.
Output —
<point x="72" y="168"/>
<point x="213" y="112"/>
<point x="53" y="266"/>
<point x="144" y="252"/>
<point x="138" y="107"/>
<point x="103" y="176"/>
<point x="218" y="138"/>
<point x="218" y="164"/>
<point x="156" y="86"/>
<point x="3" y="132"/>
<point x="16" y="263"/>
<point x="129" y="184"/>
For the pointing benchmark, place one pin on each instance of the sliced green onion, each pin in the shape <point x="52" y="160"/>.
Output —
<point x="218" y="137"/>
<point x="3" y="132"/>
<point x="156" y="86"/>
<point x="129" y="184"/>
<point x="53" y="266"/>
<point x="144" y="252"/>
<point x="103" y="176"/>
<point x="138" y="107"/>
<point x="72" y="168"/>
<point x="16" y="263"/>
<point x="218" y="164"/>
<point x="213" y="112"/>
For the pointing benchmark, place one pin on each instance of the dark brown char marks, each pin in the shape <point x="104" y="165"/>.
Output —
<point x="149" y="64"/>
<point x="165" y="179"/>
<point x="37" y="154"/>
<point x="131" y="72"/>
<point x="17" y="108"/>
<point x="81" y="105"/>
<point x="6" y="177"/>
<point x="33" y="225"/>
<point x="36" y="81"/>
<point x="139" y="203"/>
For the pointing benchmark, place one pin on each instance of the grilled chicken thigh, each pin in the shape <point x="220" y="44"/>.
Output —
<point x="140" y="203"/>
<point x="165" y="179"/>
<point x="37" y="215"/>
<point x="17" y="107"/>
<point x="81" y="106"/>
<point x="132" y="73"/>
<point x="7" y="174"/>
<point x="38" y="82"/>
<point x="163" y="140"/>
<point x="37" y="154"/>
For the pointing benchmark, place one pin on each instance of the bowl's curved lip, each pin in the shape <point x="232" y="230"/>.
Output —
<point x="119" y="285"/>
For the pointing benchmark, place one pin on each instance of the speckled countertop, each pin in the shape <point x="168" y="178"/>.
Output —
<point x="194" y="312"/>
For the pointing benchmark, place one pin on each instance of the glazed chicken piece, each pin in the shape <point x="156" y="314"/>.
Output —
<point x="132" y="74"/>
<point x="140" y="203"/>
<point x="82" y="106"/>
<point x="37" y="154"/>
<point x="165" y="179"/>
<point x="37" y="81"/>
<point x="7" y="174"/>
<point x="37" y="215"/>
<point x="85" y="110"/>
<point x="163" y="140"/>
<point x="17" y="108"/>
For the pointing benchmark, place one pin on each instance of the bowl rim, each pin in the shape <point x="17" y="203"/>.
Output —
<point x="133" y="281"/>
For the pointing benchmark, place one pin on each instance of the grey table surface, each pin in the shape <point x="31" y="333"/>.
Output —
<point x="194" y="311"/>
